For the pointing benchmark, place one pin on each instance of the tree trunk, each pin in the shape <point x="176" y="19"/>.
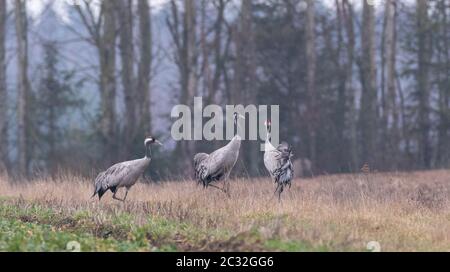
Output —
<point x="205" y="70"/>
<point x="311" y="78"/>
<point x="125" y="20"/>
<point x="390" y="112"/>
<point x="191" y="53"/>
<point x="145" y="65"/>
<point x="3" y="92"/>
<point x="443" y="150"/>
<point x="424" y="57"/>
<point x="347" y="10"/>
<point x="49" y="92"/>
<point x="218" y="56"/>
<point x="243" y="55"/>
<point x="190" y="68"/>
<point x="244" y="92"/>
<point x="107" y="56"/>
<point x="22" y="84"/>
<point x="183" y="33"/>
<point x="368" y="111"/>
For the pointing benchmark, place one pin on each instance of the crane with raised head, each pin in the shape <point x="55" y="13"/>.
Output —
<point x="217" y="166"/>
<point x="278" y="162"/>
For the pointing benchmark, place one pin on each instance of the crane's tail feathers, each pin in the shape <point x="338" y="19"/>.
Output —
<point x="99" y="190"/>
<point x="284" y="175"/>
<point x="100" y="193"/>
<point x="199" y="169"/>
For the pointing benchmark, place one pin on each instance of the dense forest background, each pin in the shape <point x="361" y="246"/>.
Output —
<point x="360" y="82"/>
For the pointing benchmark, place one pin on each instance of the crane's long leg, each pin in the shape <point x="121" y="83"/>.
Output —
<point x="126" y="193"/>
<point x="116" y="198"/>
<point x="227" y="187"/>
<point x="224" y="190"/>
<point x="218" y="188"/>
<point x="276" y="190"/>
<point x="226" y="184"/>
<point x="274" y="193"/>
<point x="279" y="193"/>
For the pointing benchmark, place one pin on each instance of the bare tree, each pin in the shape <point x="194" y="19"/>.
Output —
<point x="244" y="91"/>
<point x="390" y="137"/>
<point x="347" y="10"/>
<point x="244" y="63"/>
<point x="145" y="64"/>
<point x="22" y="84"/>
<point x="107" y="53"/>
<point x="443" y="74"/>
<point x="345" y="103"/>
<point x="423" y="91"/>
<point x="183" y="32"/>
<point x="125" y="20"/>
<point x="367" y="64"/>
<point x="215" y="50"/>
<point x="311" y="77"/>
<point x="3" y="91"/>
<point x="103" y="35"/>
<point x="190" y="52"/>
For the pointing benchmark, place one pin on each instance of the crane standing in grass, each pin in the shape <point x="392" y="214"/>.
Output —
<point x="218" y="165"/>
<point x="278" y="162"/>
<point x="124" y="174"/>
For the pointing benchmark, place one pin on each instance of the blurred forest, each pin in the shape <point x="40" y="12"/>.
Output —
<point x="358" y="82"/>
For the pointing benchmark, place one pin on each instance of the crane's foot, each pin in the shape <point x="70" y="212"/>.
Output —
<point x="119" y="199"/>
<point x="218" y="188"/>
<point x="278" y="191"/>
<point x="279" y="194"/>
<point x="228" y="191"/>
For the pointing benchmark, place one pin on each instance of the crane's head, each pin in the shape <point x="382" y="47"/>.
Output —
<point x="151" y="140"/>
<point x="237" y="115"/>
<point x="268" y="125"/>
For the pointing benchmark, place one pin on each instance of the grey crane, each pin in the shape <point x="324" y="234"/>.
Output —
<point x="278" y="162"/>
<point x="123" y="174"/>
<point x="217" y="166"/>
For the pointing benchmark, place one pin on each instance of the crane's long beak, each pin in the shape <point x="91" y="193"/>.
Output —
<point x="158" y="142"/>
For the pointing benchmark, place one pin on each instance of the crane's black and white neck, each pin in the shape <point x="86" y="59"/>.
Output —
<point x="148" y="150"/>
<point x="268" y="145"/>
<point x="236" y="116"/>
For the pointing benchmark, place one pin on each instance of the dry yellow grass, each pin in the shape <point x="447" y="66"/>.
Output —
<point x="402" y="211"/>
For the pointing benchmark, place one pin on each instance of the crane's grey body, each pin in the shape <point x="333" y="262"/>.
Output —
<point x="278" y="162"/>
<point x="217" y="166"/>
<point x="122" y="175"/>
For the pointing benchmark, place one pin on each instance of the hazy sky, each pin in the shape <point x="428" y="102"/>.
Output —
<point x="35" y="7"/>
<point x="60" y="6"/>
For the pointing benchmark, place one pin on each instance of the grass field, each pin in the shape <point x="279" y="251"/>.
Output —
<point x="401" y="211"/>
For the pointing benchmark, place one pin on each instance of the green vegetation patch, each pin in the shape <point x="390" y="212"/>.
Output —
<point x="35" y="227"/>
<point x="24" y="236"/>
